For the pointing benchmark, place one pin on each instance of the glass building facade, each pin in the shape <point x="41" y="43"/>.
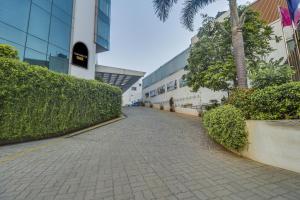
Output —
<point x="103" y="25"/>
<point x="39" y="29"/>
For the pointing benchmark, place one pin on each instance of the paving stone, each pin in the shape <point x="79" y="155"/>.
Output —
<point x="151" y="155"/>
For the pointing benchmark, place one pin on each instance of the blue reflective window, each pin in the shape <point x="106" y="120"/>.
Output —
<point x="41" y="31"/>
<point x="37" y="44"/>
<point x="45" y="4"/>
<point x="39" y="22"/>
<point x="104" y="6"/>
<point x="12" y="34"/>
<point x="58" y="52"/>
<point x="15" y="13"/>
<point x="62" y="15"/>
<point x="66" y="5"/>
<point x="58" y="59"/>
<point x="35" y="58"/>
<point x="59" y="33"/>
<point x="103" y="24"/>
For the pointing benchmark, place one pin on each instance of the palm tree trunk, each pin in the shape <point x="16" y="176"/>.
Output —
<point x="238" y="45"/>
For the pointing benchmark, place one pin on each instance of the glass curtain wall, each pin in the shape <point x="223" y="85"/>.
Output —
<point x="39" y="29"/>
<point x="103" y="24"/>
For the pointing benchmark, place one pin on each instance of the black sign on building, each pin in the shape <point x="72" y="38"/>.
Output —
<point x="80" y="55"/>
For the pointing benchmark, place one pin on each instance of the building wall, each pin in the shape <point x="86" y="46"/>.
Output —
<point x="281" y="137"/>
<point x="40" y="31"/>
<point x="183" y="96"/>
<point x="84" y="31"/>
<point x="131" y="95"/>
<point x="280" y="49"/>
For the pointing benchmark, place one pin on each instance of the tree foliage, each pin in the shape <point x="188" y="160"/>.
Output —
<point x="270" y="74"/>
<point x="211" y="62"/>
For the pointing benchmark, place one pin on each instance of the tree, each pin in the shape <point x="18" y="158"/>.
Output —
<point x="191" y="8"/>
<point x="211" y="62"/>
<point x="270" y="74"/>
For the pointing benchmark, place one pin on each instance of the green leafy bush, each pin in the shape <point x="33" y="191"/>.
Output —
<point x="270" y="103"/>
<point x="227" y="126"/>
<point x="270" y="74"/>
<point x="36" y="103"/>
<point x="7" y="51"/>
<point x="276" y="102"/>
<point x="241" y="98"/>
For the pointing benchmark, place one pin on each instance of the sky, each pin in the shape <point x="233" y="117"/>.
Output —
<point x="140" y="41"/>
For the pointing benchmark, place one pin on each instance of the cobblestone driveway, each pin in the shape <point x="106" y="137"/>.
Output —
<point x="149" y="155"/>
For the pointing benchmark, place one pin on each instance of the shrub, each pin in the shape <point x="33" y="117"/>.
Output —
<point x="36" y="103"/>
<point x="277" y="102"/>
<point x="7" y="51"/>
<point x="271" y="103"/>
<point x="241" y="98"/>
<point x="270" y="74"/>
<point x="227" y="126"/>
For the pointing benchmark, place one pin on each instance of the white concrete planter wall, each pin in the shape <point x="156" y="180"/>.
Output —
<point x="275" y="143"/>
<point x="187" y="111"/>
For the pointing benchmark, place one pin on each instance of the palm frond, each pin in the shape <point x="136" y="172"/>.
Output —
<point x="163" y="7"/>
<point x="190" y="9"/>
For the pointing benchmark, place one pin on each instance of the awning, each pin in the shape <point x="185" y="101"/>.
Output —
<point x="123" y="78"/>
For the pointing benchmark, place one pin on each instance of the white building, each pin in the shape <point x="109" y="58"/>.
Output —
<point x="166" y="83"/>
<point x="132" y="95"/>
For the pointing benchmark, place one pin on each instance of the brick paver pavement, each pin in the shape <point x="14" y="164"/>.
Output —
<point x="149" y="155"/>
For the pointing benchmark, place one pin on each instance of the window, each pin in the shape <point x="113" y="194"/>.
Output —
<point x="133" y="88"/>
<point x="39" y="23"/>
<point x="161" y="90"/>
<point x="182" y="83"/>
<point x="35" y="58"/>
<point x="59" y="33"/>
<point x="62" y="15"/>
<point x="12" y="34"/>
<point x="15" y="13"/>
<point x="37" y="44"/>
<point x="26" y="24"/>
<point x="65" y="5"/>
<point x="45" y="4"/>
<point x="172" y="86"/>
<point x="147" y="94"/>
<point x="291" y="45"/>
<point x="152" y="93"/>
<point x="103" y="23"/>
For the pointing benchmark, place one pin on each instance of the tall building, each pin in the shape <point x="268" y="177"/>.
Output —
<point x="62" y="35"/>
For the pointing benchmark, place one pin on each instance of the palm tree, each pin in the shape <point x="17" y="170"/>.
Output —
<point x="190" y="9"/>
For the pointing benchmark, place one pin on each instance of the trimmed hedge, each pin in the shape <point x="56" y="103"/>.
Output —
<point x="277" y="102"/>
<point x="271" y="103"/>
<point x="36" y="103"/>
<point x="227" y="126"/>
<point x="8" y="51"/>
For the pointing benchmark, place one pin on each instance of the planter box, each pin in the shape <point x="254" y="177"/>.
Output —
<point x="275" y="143"/>
<point x="187" y="111"/>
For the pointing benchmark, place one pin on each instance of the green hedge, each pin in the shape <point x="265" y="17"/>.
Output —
<point x="227" y="126"/>
<point x="271" y="103"/>
<point x="8" y="51"/>
<point x="277" y="102"/>
<point x="36" y="103"/>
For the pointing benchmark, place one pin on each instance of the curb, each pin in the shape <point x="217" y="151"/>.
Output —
<point x="95" y="127"/>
